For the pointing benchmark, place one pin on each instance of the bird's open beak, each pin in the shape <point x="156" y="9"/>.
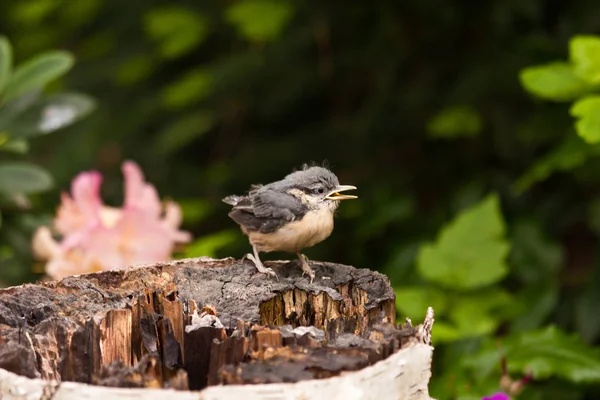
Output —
<point x="335" y="193"/>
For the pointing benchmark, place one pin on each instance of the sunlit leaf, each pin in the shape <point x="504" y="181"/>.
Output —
<point x="587" y="110"/>
<point x="50" y="114"/>
<point x="473" y="314"/>
<point x="208" y="245"/>
<point x="546" y="353"/>
<point x="555" y="81"/>
<point x="477" y="314"/>
<point x="470" y="252"/>
<point x="178" y="30"/>
<point x="585" y="55"/>
<point x="18" y="146"/>
<point x="185" y="130"/>
<point x="18" y="177"/>
<point x="5" y="62"/>
<point x="260" y="20"/>
<point x="37" y="72"/>
<point x="411" y="301"/>
<point x="550" y="352"/>
<point x="192" y="87"/>
<point x="454" y="122"/>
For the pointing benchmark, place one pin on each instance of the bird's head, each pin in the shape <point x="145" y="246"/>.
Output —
<point x="318" y="187"/>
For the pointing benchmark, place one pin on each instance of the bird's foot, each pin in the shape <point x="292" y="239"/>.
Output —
<point x="260" y="267"/>
<point x="306" y="269"/>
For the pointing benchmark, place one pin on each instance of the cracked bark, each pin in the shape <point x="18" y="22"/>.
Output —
<point x="131" y="329"/>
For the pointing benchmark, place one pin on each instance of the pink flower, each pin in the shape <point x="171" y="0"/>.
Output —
<point x="96" y="237"/>
<point x="497" y="396"/>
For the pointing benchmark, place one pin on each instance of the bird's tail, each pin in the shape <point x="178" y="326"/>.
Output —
<point x="232" y="200"/>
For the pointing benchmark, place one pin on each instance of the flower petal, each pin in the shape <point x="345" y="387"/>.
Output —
<point x="497" y="396"/>
<point x="139" y="194"/>
<point x="171" y="222"/>
<point x="67" y="264"/>
<point x="43" y="245"/>
<point x="84" y="207"/>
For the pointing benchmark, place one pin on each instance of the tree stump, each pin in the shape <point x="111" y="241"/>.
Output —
<point x="211" y="329"/>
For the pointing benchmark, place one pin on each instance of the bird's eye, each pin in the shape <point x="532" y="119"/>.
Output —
<point x="320" y="190"/>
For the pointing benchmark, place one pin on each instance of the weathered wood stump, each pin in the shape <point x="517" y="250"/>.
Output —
<point x="194" y="323"/>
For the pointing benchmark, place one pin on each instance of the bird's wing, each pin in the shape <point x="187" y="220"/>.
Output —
<point x="265" y="210"/>
<point x="273" y="204"/>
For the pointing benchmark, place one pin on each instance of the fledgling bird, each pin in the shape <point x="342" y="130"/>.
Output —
<point x="289" y="215"/>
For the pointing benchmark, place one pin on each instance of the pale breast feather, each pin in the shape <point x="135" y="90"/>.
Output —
<point x="314" y="227"/>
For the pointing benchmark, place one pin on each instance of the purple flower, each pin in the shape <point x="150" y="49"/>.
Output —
<point x="497" y="396"/>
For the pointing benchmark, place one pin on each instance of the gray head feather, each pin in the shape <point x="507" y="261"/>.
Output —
<point x="306" y="178"/>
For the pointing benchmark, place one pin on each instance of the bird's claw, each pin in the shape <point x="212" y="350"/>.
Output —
<point x="260" y="267"/>
<point x="310" y="274"/>
<point x="306" y="269"/>
<point x="270" y="272"/>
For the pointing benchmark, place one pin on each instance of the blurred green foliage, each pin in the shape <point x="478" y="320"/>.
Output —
<point x="25" y="114"/>
<point x="472" y="132"/>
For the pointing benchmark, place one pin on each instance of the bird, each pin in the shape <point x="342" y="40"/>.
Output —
<point x="289" y="215"/>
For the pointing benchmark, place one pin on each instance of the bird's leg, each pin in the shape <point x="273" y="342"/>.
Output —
<point x="259" y="265"/>
<point x="306" y="269"/>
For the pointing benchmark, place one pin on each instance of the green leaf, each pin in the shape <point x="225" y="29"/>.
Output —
<point x="134" y="70"/>
<point x="485" y="366"/>
<point x="588" y="112"/>
<point x="486" y="361"/>
<point x="571" y="153"/>
<point x="534" y="257"/>
<point x="177" y="29"/>
<point x="18" y="146"/>
<point x="37" y="72"/>
<point x="183" y="131"/>
<point x="10" y="111"/>
<point x="470" y="315"/>
<point x="535" y="303"/>
<point x="586" y="309"/>
<point x="585" y="55"/>
<point x="470" y="252"/>
<point x="412" y="301"/>
<point x="555" y="81"/>
<point x="5" y="62"/>
<point x="550" y="352"/>
<point x="19" y="177"/>
<point x="480" y="313"/>
<point x="260" y="20"/>
<point x="455" y="122"/>
<point x="208" y="245"/>
<point x="195" y="210"/>
<point x="50" y="114"/>
<point x="32" y="13"/>
<point x="191" y="88"/>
